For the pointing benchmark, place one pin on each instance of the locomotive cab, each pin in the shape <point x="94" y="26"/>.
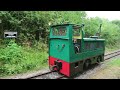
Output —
<point x="65" y="40"/>
<point x="58" y="46"/>
<point x="77" y="37"/>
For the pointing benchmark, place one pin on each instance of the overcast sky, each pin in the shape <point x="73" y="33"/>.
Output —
<point x="110" y="15"/>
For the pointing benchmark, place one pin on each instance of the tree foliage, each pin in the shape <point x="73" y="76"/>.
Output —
<point x="26" y="23"/>
<point x="34" y="25"/>
<point x="33" y="30"/>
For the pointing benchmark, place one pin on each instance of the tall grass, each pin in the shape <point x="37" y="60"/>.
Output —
<point x="110" y="48"/>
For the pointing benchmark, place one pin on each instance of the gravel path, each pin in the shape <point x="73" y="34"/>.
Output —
<point x="52" y="75"/>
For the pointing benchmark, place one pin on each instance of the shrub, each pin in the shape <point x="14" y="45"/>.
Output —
<point x="15" y="59"/>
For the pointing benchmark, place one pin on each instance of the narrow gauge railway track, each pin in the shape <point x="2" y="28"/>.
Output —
<point x="47" y="75"/>
<point x="40" y="75"/>
<point x="54" y="74"/>
<point x="111" y="55"/>
<point x="92" y="69"/>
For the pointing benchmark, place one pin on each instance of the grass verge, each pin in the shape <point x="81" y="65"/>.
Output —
<point x="15" y="59"/>
<point x="110" y="71"/>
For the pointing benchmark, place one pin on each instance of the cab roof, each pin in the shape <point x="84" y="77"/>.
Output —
<point x="65" y="25"/>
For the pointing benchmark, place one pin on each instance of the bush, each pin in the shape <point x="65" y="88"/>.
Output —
<point x="12" y="53"/>
<point x="15" y="59"/>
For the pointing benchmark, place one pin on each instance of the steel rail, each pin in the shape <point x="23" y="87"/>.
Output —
<point x="112" y="53"/>
<point x="32" y="77"/>
<point x="46" y="73"/>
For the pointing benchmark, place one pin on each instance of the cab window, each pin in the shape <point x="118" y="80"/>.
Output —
<point x="59" y="31"/>
<point x="76" y="31"/>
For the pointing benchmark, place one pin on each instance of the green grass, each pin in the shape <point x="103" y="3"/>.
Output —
<point x="15" y="59"/>
<point x="110" y="70"/>
<point x="114" y="68"/>
<point x="111" y="48"/>
<point x="114" y="62"/>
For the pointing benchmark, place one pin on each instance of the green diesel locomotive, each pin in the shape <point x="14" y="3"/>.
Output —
<point x="70" y="52"/>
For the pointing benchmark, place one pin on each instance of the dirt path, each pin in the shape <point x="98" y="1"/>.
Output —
<point x="108" y="71"/>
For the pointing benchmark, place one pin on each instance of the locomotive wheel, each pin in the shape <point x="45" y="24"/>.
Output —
<point x="99" y="59"/>
<point x="86" y="64"/>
